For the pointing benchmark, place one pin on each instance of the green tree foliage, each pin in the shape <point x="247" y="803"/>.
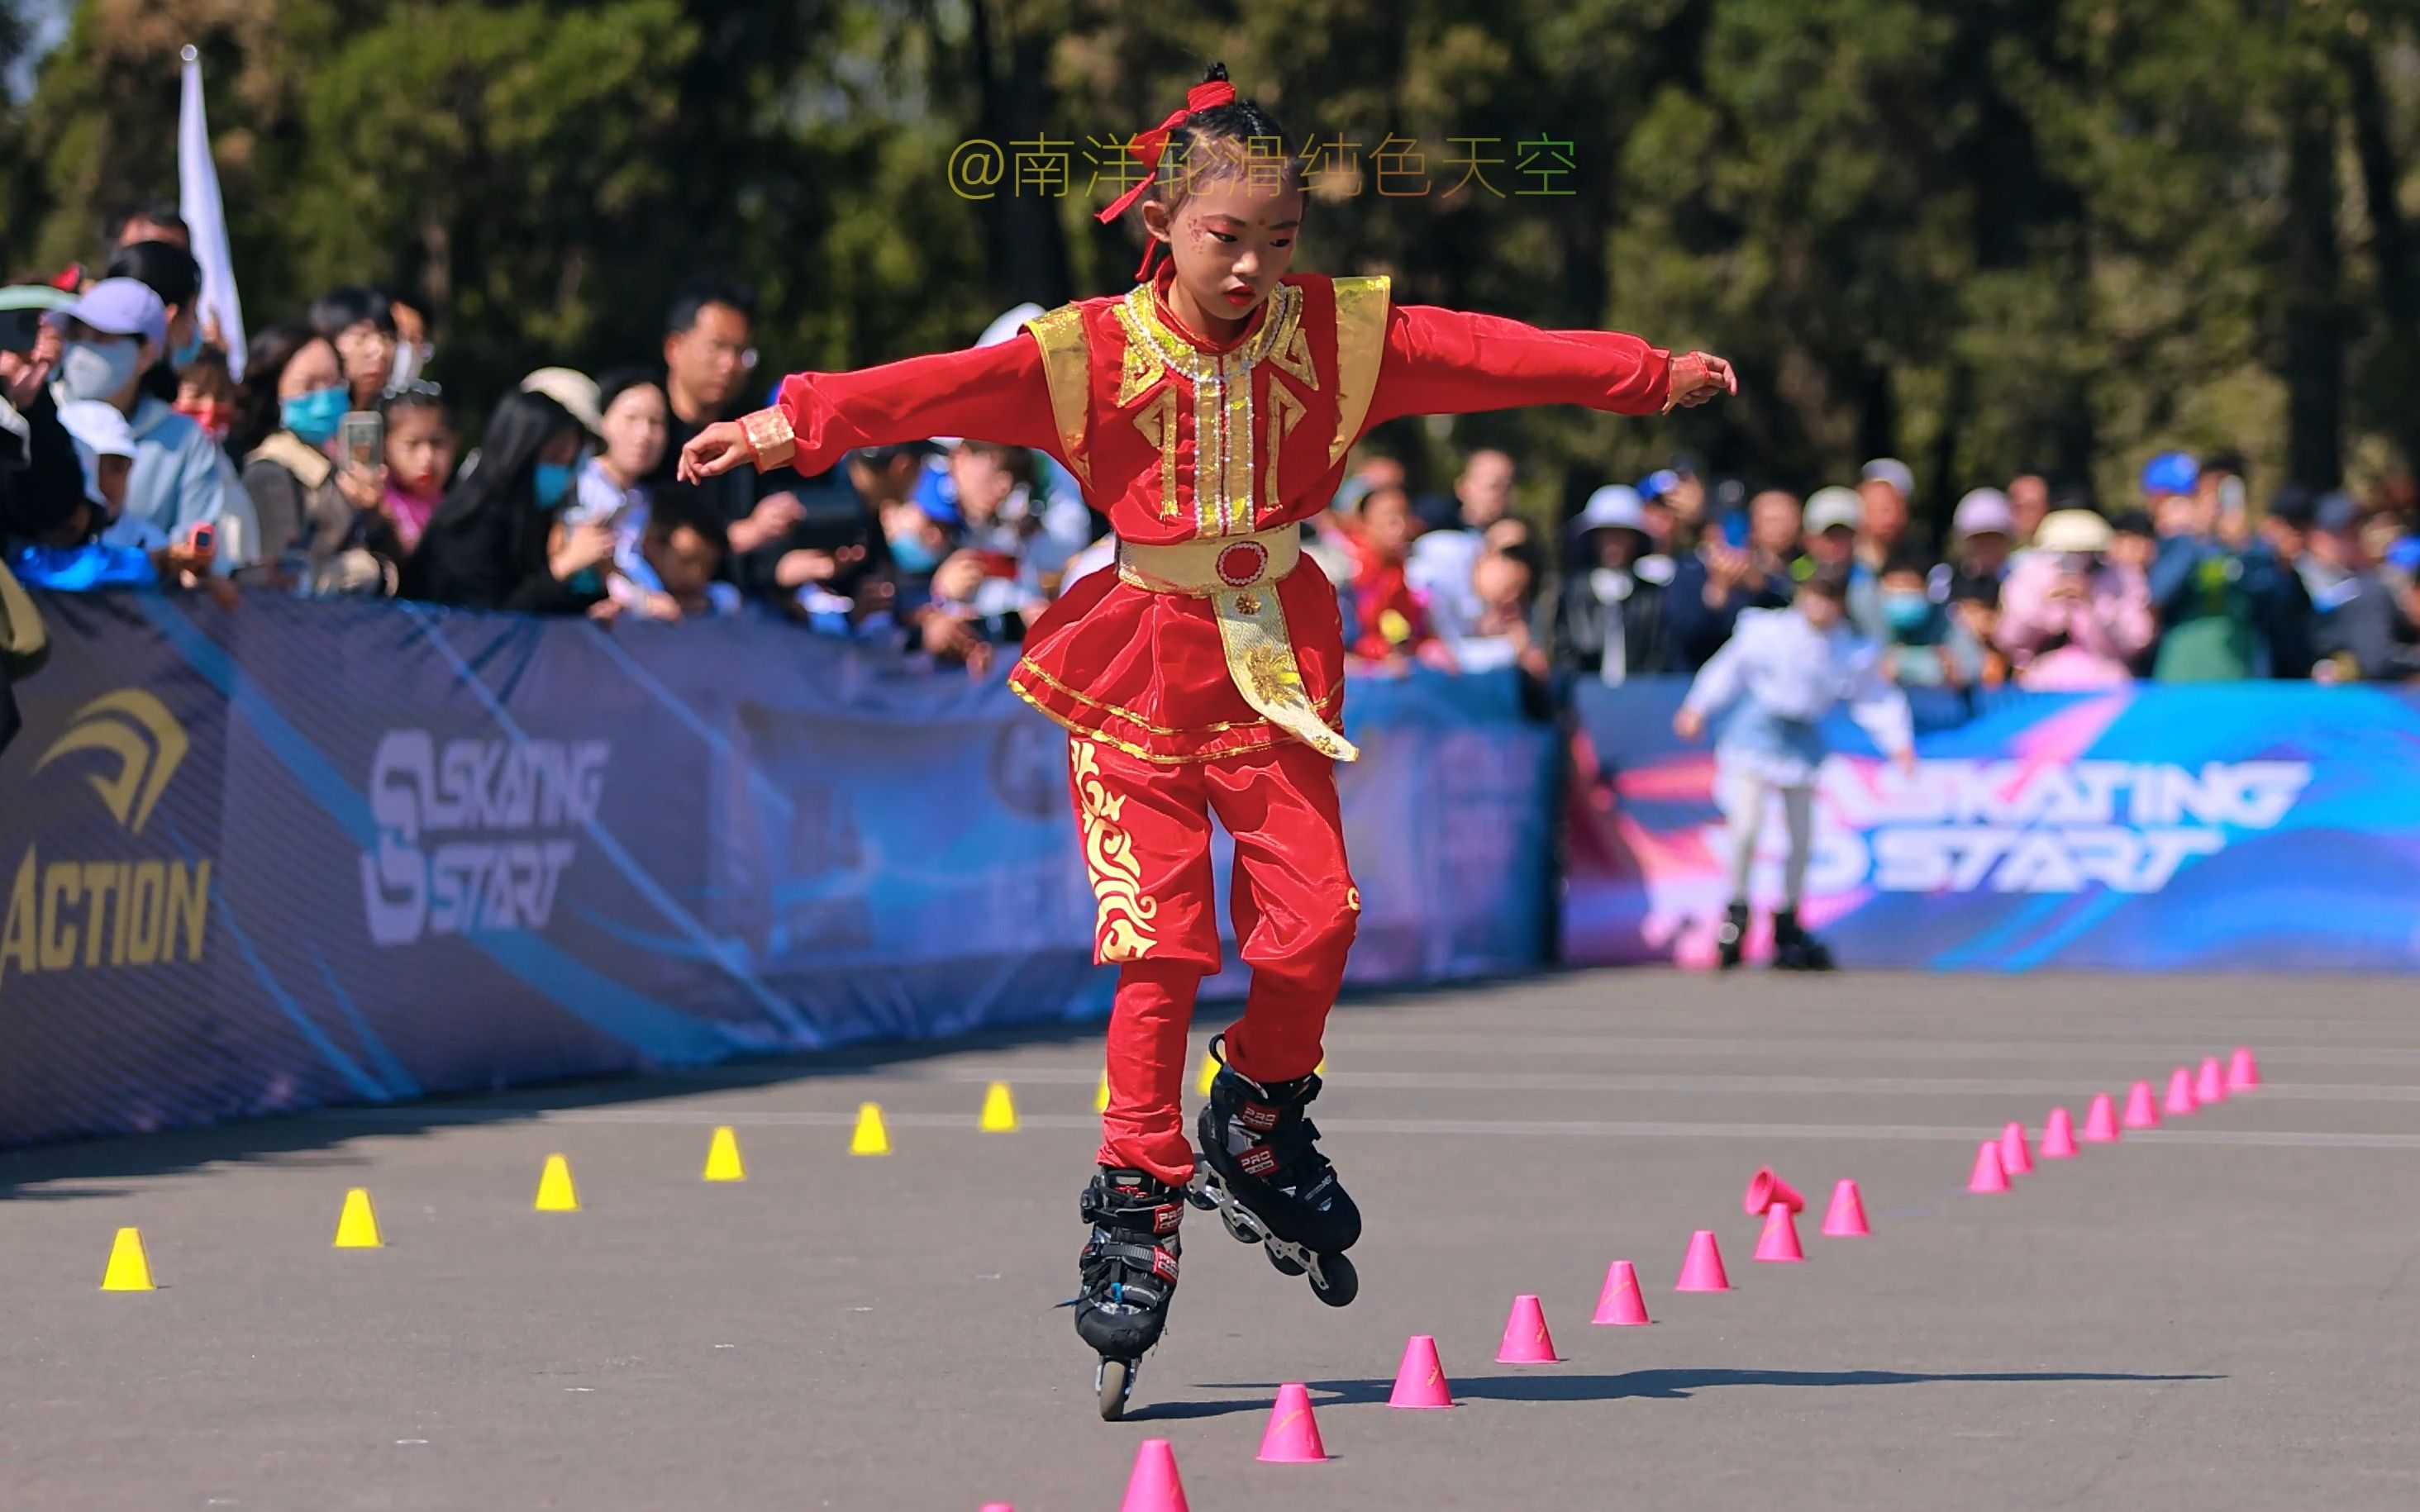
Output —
<point x="1985" y="235"/>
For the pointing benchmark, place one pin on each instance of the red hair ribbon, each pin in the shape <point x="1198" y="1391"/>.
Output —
<point x="1148" y="147"/>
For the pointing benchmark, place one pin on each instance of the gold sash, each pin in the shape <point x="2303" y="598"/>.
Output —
<point x="1240" y="575"/>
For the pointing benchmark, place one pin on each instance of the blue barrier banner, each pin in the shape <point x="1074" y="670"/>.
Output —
<point x="2260" y="825"/>
<point x="292" y="854"/>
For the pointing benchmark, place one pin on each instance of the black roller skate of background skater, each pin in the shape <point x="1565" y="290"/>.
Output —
<point x="1730" y="937"/>
<point x="1793" y="948"/>
<point x="1128" y="1267"/>
<point x="1261" y="1172"/>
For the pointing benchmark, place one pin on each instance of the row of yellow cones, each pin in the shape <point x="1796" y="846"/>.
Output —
<point x="130" y="1268"/>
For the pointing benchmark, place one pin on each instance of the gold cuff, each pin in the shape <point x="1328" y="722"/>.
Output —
<point x="769" y="436"/>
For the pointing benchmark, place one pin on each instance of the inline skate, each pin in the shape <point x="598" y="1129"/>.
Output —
<point x="1128" y="1267"/>
<point x="1793" y="948"/>
<point x="1730" y="937"/>
<point x="1261" y="1172"/>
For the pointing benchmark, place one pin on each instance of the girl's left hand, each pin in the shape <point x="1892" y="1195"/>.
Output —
<point x="1698" y="377"/>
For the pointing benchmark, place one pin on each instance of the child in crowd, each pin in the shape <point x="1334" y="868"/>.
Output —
<point x="1929" y="647"/>
<point x="420" y="446"/>
<point x="1389" y="622"/>
<point x="206" y="394"/>
<point x="1503" y="582"/>
<point x="675" y="573"/>
<point x="1779" y="675"/>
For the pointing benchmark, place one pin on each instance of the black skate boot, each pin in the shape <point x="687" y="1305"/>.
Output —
<point x="1129" y="1274"/>
<point x="1731" y="940"/>
<point x="1793" y="948"/>
<point x="1263" y="1172"/>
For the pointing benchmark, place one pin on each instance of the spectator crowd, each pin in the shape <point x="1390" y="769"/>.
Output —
<point x="131" y="456"/>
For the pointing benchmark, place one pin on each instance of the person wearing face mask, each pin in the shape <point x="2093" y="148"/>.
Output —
<point x="1610" y="623"/>
<point x="181" y="479"/>
<point x="1928" y="647"/>
<point x="494" y="542"/>
<point x="323" y="528"/>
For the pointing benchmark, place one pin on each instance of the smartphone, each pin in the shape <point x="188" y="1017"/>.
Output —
<point x="202" y="539"/>
<point x="2230" y="495"/>
<point x="361" y="439"/>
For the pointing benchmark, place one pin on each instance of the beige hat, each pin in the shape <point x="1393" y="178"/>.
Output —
<point x="2072" y="530"/>
<point x="1829" y="508"/>
<point x="575" y="391"/>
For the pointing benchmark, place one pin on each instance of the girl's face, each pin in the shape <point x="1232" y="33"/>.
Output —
<point x="1821" y="610"/>
<point x="369" y="356"/>
<point x="1233" y="236"/>
<point x="983" y="485"/>
<point x="1387" y="523"/>
<point x="419" y="448"/>
<point x="634" y="431"/>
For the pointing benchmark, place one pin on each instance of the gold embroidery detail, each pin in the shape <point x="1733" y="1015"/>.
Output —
<point x="1361" y="349"/>
<point x="1248" y="603"/>
<point x="1285" y="412"/>
<point x="1260" y="659"/>
<point x="1066" y="368"/>
<point x="769" y="436"/>
<point x="1223" y="502"/>
<point x="1157" y="423"/>
<point x="1123" y="925"/>
<point x="1290" y="349"/>
<point x="1235" y="440"/>
<point x="1027" y="669"/>
<point x="1141" y="370"/>
<point x="1139" y="753"/>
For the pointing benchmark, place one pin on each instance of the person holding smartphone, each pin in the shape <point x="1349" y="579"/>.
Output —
<point x="2071" y="617"/>
<point x="315" y="470"/>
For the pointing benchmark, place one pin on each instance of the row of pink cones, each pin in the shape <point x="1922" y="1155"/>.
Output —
<point x="1292" y="1437"/>
<point x="1997" y="1160"/>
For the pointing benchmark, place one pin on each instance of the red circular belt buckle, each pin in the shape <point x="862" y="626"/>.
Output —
<point x="1240" y="565"/>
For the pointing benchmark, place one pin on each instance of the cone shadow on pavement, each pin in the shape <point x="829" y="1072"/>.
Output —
<point x="1670" y="1384"/>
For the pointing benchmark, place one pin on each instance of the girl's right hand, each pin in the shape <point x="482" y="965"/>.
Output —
<point x="715" y="451"/>
<point x="1688" y="724"/>
<point x="583" y="545"/>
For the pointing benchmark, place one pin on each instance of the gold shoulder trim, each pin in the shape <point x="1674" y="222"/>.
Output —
<point x="1066" y="366"/>
<point x="1360" y="347"/>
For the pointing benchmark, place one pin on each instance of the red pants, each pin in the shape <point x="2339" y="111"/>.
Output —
<point x="1146" y="834"/>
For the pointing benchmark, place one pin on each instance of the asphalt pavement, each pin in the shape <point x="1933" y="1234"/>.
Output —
<point x="2218" y="1314"/>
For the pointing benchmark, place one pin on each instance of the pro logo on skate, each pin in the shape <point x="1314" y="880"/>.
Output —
<point x="1163" y="1265"/>
<point x="1258" y="1117"/>
<point x="1258" y="1160"/>
<point x="1165" y="1218"/>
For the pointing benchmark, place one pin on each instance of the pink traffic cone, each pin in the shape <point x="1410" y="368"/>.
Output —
<point x="1702" y="1270"/>
<point x="1526" y="1339"/>
<point x="2140" y="1113"/>
<point x="1153" y="1485"/>
<point x="2180" y="1098"/>
<point x="1846" y="1218"/>
<point x="2210" y="1084"/>
<point x="998" y="1506"/>
<point x="1989" y="1174"/>
<point x="1779" y="1243"/>
<point x="2101" y="1121"/>
<point x="1420" y="1380"/>
<point x="1764" y="1189"/>
<point x="2015" y="1159"/>
<point x="2243" y="1072"/>
<point x="1292" y="1434"/>
<point x="1621" y="1305"/>
<point x="2058" y="1136"/>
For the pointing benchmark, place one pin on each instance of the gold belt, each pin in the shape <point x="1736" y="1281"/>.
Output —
<point x="1240" y="575"/>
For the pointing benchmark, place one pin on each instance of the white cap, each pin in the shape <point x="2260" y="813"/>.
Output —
<point x="1983" y="511"/>
<point x="1829" y="507"/>
<point x="1892" y="470"/>
<point x="1615" y="506"/>
<point x="99" y="427"/>
<point x="573" y="390"/>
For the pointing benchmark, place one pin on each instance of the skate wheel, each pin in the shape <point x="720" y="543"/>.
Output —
<point x="1115" y="1381"/>
<point x="1243" y="1232"/>
<point x="1284" y="1265"/>
<point x="1343" y="1282"/>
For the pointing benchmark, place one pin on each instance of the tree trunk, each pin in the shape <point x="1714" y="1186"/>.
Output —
<point x="2315" y="344"/>
<point x="2390" y="245"/>
<point x="1022" y="231"/>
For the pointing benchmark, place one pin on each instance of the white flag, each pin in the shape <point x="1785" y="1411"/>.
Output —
<point x="197" y="201"/>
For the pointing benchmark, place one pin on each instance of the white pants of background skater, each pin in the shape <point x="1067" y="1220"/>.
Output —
<point x="1772" y="685"/>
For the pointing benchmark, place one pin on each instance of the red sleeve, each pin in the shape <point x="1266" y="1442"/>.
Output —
<point x="1452" y="362"/>
<point x="985" y="393"/>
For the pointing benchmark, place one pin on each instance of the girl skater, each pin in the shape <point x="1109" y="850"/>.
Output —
<point x="1207" y="412"/>
<point x="1782" y="670"/>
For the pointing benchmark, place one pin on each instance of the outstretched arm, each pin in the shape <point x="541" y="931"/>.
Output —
<point x="1443" y="362"/>
<point x="992" y="394"/>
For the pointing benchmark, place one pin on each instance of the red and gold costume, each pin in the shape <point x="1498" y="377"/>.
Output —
<point x="1206" y="674"/>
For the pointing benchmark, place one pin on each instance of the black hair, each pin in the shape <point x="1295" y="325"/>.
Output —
<point x="2138" y="522"/>
<point x="156" y="211"/>
<point x="257" y="408"/>
<point x="673" y="506"/>
<point x="1912" y="558"/>
<point x="164" y="268"/>
<point x="1528" y="552"/>
<point x="522" y="425"/>
<point x="621" y="381"/>
<point x="1214" y="141"/>
<point x="2227" y="460"/>
<point x="690" y="300"/>
<point x="339" y="310"/>
<point x="1014" y="460"/>
<point x="414" y="395"/>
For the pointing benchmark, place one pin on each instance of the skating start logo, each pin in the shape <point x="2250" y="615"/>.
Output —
<point x="125" y="908"/>
<point x="473" y="835"/>
<point x="2038" y="826"/>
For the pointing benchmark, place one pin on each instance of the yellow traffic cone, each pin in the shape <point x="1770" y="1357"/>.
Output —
<point x="128" y="1269"/>
<point x="1101" y="1101"/>
<point x="722" y="1162"/>
<point x="555" y="1191"/>
<point x="357" y="1225"/>
<point x="999" y="1112"/>
<point x="870" y="1138"/>
<point x="1320" y="1070"/>
<point x="1209" y="1073"/>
